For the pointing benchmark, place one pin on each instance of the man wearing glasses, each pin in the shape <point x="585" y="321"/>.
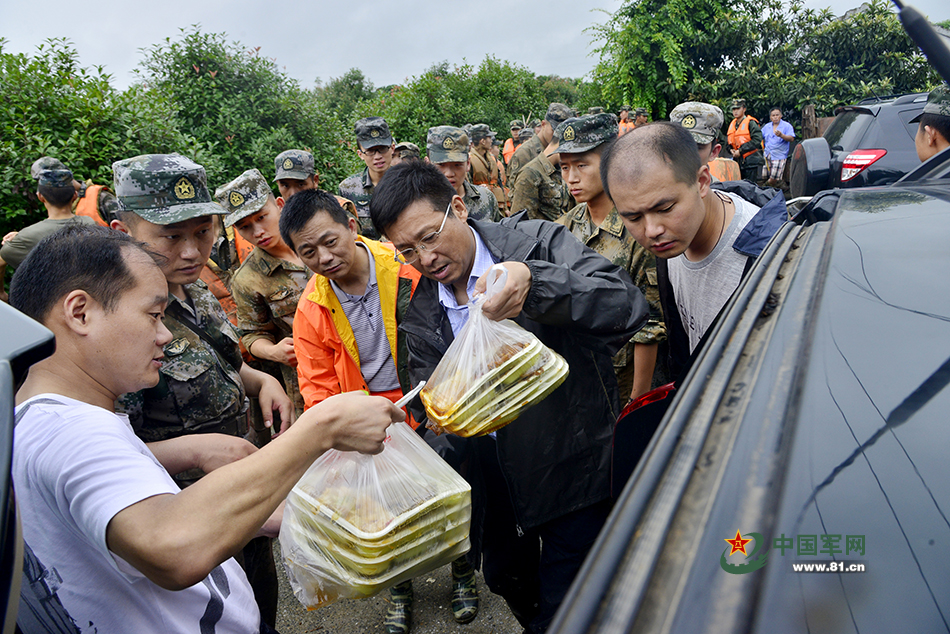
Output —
<point x="540" y="486"/>
<point x="345" y="337"/>
<point x="375" y="148"/>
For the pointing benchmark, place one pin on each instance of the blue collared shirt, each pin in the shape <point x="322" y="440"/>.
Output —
<point x="458" y="315"/>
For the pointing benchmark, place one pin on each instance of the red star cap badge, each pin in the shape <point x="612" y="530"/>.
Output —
<point x="738" y="544"/>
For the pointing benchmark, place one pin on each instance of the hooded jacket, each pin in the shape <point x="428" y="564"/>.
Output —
<point x="555" y="457"/>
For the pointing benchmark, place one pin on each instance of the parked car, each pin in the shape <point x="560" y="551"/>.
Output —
<point x="816" y="410"/>
<point x="871" y="143"/>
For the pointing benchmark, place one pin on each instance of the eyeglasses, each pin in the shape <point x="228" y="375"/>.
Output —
<point x="376" y="149"/>
<point x="428" y="242"/>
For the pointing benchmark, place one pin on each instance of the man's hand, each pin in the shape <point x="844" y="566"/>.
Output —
<point x="9" y="236"/>
<point x="273" y="397"/>
<point x="509" y="301"/>
<point x="280" y="352"/>
<point x="355" y="421"/>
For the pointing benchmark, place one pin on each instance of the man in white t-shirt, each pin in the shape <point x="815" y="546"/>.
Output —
<point x="131" y="552"/>
<point x="704" y="239"/>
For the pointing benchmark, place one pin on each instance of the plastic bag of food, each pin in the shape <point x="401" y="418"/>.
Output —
<point x="492" y="372"/>
<point x="356" y="524"/>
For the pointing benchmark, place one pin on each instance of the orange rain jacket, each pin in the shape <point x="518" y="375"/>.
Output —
<point x="327" y="357"/>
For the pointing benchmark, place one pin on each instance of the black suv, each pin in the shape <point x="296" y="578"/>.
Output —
<point x="871" y="143"/>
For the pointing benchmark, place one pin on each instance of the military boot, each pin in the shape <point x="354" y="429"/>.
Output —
<point x="464" y="591"/>
<point x="399" y="616"/>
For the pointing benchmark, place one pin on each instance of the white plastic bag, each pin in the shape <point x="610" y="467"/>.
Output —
<point x="356" y="524"/>
<point x="492" y="372"/>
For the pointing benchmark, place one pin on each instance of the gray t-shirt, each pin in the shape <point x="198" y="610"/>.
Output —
<point x="364" y="313"/>
<point x="702" y="288"/>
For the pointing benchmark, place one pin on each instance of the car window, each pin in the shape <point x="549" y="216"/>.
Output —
<point x="906" y="116"/>
<point x="846" y="131"/>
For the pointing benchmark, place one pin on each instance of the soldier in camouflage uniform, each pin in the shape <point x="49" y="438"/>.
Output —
<point x="539" y="189"/>
<point x="640" y="365"/>
<point x="376" y="147"/>
<point x="704" y="122"/>
<point x="164" y="202"/>
<point x="268" y="284"/>
<point x="405" y="151"/>
<point x="483" y="167"/>
<point x="447" y="148"/>
<point x="295" y="172"/>
<point x="557" y="113"/>
<point x="933" y="130"/>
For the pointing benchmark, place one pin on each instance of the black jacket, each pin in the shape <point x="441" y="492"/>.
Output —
<point x="750" y="242"/>
<point x="556" y="456"/>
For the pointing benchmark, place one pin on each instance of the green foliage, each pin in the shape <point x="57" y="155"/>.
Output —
<point x="784" y="55"/>
<point x="494" y="93"/>
<point x="242" y="106"/>
<point x="343" y="94"/>
<point x="49" y="105"/>
<point x="653" y="49"/>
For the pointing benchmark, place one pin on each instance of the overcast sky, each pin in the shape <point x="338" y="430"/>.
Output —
<point x="389" y="41"/>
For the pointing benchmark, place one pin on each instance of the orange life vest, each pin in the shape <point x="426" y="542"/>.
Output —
<point x="741" y="136"/>
<point x="725" y="169"/>
<point x="508" y="150"/>
<point x="88" y="205"/>
<point x="625" y="126"/>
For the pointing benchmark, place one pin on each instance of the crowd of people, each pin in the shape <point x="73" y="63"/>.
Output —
<point x="211" y="347"/>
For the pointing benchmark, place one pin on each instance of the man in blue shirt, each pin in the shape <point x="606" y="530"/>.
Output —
<point x="777" y="136"/>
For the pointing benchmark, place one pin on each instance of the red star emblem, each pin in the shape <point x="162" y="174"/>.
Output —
<point x="738" y="544"/>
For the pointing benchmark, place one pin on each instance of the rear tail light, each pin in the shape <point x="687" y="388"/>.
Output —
<point x="857" y="161"/>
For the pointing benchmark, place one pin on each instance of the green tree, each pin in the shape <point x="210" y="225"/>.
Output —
<point x="653" y="49"/>
<point x="494" y="93"/>
<point x="53" y="106"/>
<point x="242" y="106"/>
<point x="787" y="56"/>
<point x="343" y="94"/>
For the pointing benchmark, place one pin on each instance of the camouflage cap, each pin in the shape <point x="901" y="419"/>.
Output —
<point x="372" y="132"/>
<point x="479" y="131"/>
<point x="55" y="178"/>
<point x="243" y="196"/>
<point x="43" y="164"/>
<point x="622" y="108"/>
<point x="294" y="164"/>
<point x="703" y="120"/>
<point x="163" y="188"/>
<point x="641" y="112"/>
<point x="406" y="149"/>
<point x="583" y="134"/>
<point x="525" y="134"/>
<point x="737" y="103"/>
<point x="595" y="110"/>
<point x="447" y="144"/>
<point x="557" y="114"/>
<point x="516" y="124"/>
<point x="938" y="102"/>
<point x="534" y="123"/>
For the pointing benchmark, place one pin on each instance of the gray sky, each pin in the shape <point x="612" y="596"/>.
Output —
<point x="389" y="41"/>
